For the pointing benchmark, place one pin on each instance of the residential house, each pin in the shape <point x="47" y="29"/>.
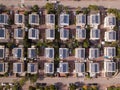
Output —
<point x="32" y="53"/>
<point x="93" y="53"/>
<point x="64" y="34"/>
<point x="63" y="68"/>
<point x="19" y="19"/>
<point x="18" y="67"/>
<point x="50" y="19"/>
<point x="63" y="53"/>
<point x="109" y="66"/>
<point x="94" y="20"/>
<point x="3" y="67"/>
<point x="81" y="20"/>
<point x="50" y="34"/>
<point x="49" y="53"/>
<point x="79" y="68"/>
<point x="110" y="21"/>
<point x="3" y="19"/>
<point x="80" y="33"/>
<point x="109" y="52"/>
<point x="80" y="53"/>
<point x="18" y="53"/>
<point x="33" y="34"/>
<point x="64" y="19"/>
<point x="19" y="33"/>
<point x="32" y="68"/>
<point x="49" y="68"/>
<point x="93" y="69"/>
<point x="33" y="19"/>
<point x="94" y="34"/>
<point x="110" y="36"/>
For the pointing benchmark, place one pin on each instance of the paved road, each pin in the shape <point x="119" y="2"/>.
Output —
<point x="84" y="3"/>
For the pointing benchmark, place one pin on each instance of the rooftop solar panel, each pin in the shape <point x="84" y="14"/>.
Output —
<point x="1" y="53"/>
<point x="18" y="67"/>
<point x="51" y="53"/>
<point x="2" y="32"/>
<point x="83" y="19"/>
<point x="33" y="33"/>
<point x="50" y="67"/>
<point x="32" y="67"/>
<point x="51" y="33"/>
<point x="19" y="53"/>
<point x="64" y="67"/>
<point x="20" y="18"/>
<point x="97" y="19"/>
<point x="33" y="53"/>
<point x="2" y="18"/>
<point x="33" y="19"/>
<point x="64" y="53"/>
<point x="65" y="33"/>
<point x="96" y="67"/>
<point x="1" y="67"/>
<point x="51" y="18"/>
<point x="20" y="32"/>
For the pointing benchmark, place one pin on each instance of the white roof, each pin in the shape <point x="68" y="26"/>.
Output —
<point x="3" y="19"/>
<point x="32" y="53"/>
<point x="18" y="33"/>
<point x="34" y="19"/>
<point x="79" y="67"/>
<point x="110" y="36"/>
<point x="33" y="33"/>
<point x="17" y="67"/>
<point x="64" y="19"/>
<point x="63" y="53"/>
<point x="63" y="67"/>
<point x="109" y="52"/>
<point x="50" y="34"/>
<point x="18" y="52"/>
<point x="94" y="67"/>
<point x="80" y="33"/>
<point x="49" y="68"/>
<point x="81" y="20"/>
<point x="32" y="68"/>
<point x="94" y="20"/>
<point x="50" y="19"/>
<point x="109" y="66"/>
<point x="19" y="19"/>
<point x="64" y="34"/>
<point x="49" y="53"/>
<point x="93" y="53"/>
<point x="110" y="21"/>
<point x="2" y="33"/>
<point x="80" y="53"/>
<point x="94" y="34"/>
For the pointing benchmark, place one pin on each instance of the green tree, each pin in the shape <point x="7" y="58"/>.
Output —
<point x="32" y="88"/>
<point x="33" y="78"/>
<point x="93" y="7"/>
<point x="86" y="43"/>
<point x="72" y="87"/>
<point x="52" y="87"/>
<point x="50" y="8"/>
<point x="35" y="8"/>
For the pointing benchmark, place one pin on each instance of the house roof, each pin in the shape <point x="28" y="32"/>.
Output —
<point x="49" y="53"/>
<point x="80" y="53"/>
<point x="18" y="52"/>
<point x="64" y="19"/>
<point x="109" y="66"/>
<point x="110" y="36"/>
<point x="64" y="34"/>
<point x="94" y="67"/>
<point x="81" y="19"/>
<point x="63" y="53"/>
<point x="50" y="34"/>
<point x="17" y="67"/>
<point x="93" y="53"/>
<point x="3" y="19"/>
<point x="32" y="53"/>
<point x="34" y="19"/>
<point x="33" y="33"/>
<point x="19" y="18"/>
<point x="79" y="67"/>
<point x="94" y="34"/>
<point x="50" y="19"/>
<point x="63" y="67"/>
<point x="80" y="33"/>
<point x="32" y="68"/>
<point x="109" y="52"/>
<point x="110" y="21"/>
<point x="49" y="67"/>
<point x="2" y="33"/>
<point x="18" y="33"/>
